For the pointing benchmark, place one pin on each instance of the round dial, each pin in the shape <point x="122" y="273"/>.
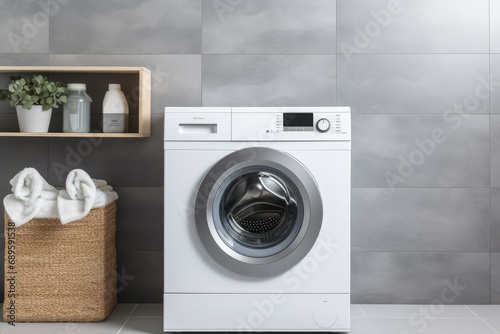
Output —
<point x="323" y="125"/>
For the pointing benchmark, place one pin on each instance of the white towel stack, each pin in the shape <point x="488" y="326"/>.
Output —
<point x="32" y="197"/>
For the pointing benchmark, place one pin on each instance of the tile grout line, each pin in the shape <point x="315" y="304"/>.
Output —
<point x="362" y="310"/>
<point x="487" y="324"/>
<point x="128" y="318"/>
<point x="369" y="320"/>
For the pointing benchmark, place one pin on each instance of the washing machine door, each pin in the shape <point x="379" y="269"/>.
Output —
<point x="258" y="211"/>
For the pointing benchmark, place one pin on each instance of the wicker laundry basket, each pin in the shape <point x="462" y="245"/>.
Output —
<point x="56" y="272"/>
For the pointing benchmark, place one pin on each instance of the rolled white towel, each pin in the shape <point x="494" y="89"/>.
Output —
<point x="79" y="197"/>
<point x="31" y="196"/>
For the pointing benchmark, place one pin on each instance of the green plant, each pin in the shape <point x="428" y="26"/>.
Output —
<point x="35" y="91"/>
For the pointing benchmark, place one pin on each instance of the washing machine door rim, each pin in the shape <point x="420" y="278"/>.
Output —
<point x="258" y="211"/>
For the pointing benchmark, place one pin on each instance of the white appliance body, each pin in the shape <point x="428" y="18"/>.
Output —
<point x="223" y="272"/>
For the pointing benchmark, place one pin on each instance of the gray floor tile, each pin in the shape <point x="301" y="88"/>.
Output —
<point x="109" y="326"/>
<point x="122" y="310"/>
<point x="4" y="327"/>
<point x="148" y="311"/>
<point x="435" y="310"/>
<point x="361" y="326"/>
<point x="357" y="312"/>
<point x="143" y="325"/>
<point x="485" y="311"/>
<point x="494" y="323"/>
<point x="431" y="326"/>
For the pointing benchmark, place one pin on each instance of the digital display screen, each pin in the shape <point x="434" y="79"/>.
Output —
<point x="298" y="119"/>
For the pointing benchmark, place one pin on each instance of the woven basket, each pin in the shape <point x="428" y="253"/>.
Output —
<point x="61" y="272"/>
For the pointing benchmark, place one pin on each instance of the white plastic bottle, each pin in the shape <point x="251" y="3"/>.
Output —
<point x="114" y="110"/>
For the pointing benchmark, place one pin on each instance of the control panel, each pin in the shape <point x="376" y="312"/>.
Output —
<point x="258" y="123"/>
<point x="308" y="122"/>
<point x="292" y="123"/>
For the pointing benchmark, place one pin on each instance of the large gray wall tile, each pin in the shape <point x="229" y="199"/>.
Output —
<point x="24" y="59"/>
<point x="419" y="278"/>
<point x="385" y="151"/>
<point x="393" y="83"/>
<point x="495" y="219"/>
<point x="495" y="278"/>
<point x="25" y="26"/>
<point x="19" y="153"/>
<point x="495" y="150"/>
<point x="298" y="80"/>
<point x="269" y="26"/>
<point x="424" y="26"/>
<point x="420" y="219"/>
<point x="495" y="84"/>
<point x="155" y="26"/>
<point x="140" y="276"/>
<point x="495" y="26"/>
<point x="175" y="79"/>
<point x="139" y="219"/>
<point x="122" y="162"/>
<point x="8" y="120"/>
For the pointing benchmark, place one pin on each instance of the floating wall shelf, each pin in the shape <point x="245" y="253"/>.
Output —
<point x="135" y="81"/>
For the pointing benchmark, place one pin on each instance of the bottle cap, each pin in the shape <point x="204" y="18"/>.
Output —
<point x="114" y="86"/>
<point x="77" y="86"/>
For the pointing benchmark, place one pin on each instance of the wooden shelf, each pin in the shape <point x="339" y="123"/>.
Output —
<point x="75" y="135"/>
<point x="135" y="81"/>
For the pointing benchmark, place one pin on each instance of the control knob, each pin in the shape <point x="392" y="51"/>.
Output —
<point x="323" y="125"/>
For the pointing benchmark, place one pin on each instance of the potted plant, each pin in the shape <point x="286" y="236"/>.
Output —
<point x="34" y="99"/>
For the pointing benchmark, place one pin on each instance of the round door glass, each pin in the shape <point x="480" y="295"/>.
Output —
<point x="258" y="211"/>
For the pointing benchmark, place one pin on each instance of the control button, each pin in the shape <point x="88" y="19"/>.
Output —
<point x="323" y="125"/>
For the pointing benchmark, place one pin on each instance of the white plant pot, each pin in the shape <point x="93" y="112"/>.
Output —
<point x="33" y="120"/>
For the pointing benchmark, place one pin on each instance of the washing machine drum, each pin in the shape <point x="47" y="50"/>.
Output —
<point x="258" y="211"/>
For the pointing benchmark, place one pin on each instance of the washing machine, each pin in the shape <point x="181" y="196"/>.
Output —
<point x="257" y="219"/>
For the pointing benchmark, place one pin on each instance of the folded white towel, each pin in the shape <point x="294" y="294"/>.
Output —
<point x="81" y="195"/>
<point x="104" y="193"/>
<point x="32" y="196"/>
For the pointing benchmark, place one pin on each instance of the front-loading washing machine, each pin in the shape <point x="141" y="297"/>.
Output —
<point x="257" y="219"/>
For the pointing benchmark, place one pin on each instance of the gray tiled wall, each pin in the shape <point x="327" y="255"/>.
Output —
<point x="426" y="123"/>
